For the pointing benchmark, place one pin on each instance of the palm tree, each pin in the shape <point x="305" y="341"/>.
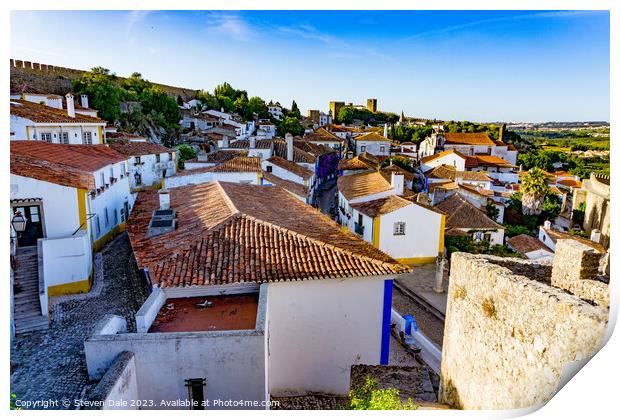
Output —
<point x="534" y="188"/>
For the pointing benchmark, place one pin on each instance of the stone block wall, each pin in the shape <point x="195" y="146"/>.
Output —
<point x="509" y="332"/>
<point x="45" y="78"/>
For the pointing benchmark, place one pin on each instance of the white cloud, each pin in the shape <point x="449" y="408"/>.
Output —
<point x="231" y="26"/>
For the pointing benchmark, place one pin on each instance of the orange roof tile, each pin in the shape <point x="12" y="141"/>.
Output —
<point x="573" y="183"/>
<point x="462" y="214"/>
<point x="290" y="186"/>
<point x="291" y="167"/>
<point x="477" y="139"/>
<point x="71" y="165"/>
<point x="138" y="148"/>
<point x="525" y="243"/>
<point x="233" y="233"/>
<point x="372" y="136"/>
<point x="359" y="185"/>
<point x="442" y="154"/>
<point x="46" y="114"/>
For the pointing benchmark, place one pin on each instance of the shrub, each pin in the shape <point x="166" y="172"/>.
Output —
<point x="368" y="397"/>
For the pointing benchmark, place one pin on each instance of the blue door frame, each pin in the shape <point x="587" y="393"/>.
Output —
<point x="385" y="324"/>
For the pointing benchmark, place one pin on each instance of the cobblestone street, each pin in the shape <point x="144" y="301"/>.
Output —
<point x="50" y="365"/>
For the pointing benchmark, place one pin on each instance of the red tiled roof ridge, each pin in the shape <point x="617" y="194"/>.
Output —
<point x="394" y="266"/>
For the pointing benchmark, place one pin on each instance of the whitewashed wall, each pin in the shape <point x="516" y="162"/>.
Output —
<point x="112" y="199"/>
<point x="201" y="178"/>
<point x="451" y="159"/>
<point x="60" y="207"/>
<point x="422" y="233"/>
<point x="318" y="329"/>
<point x="66" y="260"/>
<point x="19" y="124"/>
<point x="149" y="173"/>
<point x="373" y="147"/>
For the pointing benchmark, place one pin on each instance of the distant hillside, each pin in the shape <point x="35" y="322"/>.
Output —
<point x="44" y="78"/>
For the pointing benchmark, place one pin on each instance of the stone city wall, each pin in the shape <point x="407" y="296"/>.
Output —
<point x="509" y="333"/>
<point x="44" y="78"/>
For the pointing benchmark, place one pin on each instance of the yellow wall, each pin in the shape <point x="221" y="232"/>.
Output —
<point x="417" y="260"/>
<point x="100" y="135"/>
<point x="99" y="243"/>
<point x="376" y="231"/>
<point x="442" y="228"/>
<point x="81" y="199"/>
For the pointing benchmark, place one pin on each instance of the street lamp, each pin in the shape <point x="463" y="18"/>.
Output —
<point x="18" y="222"/>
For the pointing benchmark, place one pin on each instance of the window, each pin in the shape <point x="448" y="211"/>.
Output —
<point x="102" y="176"/>
<point x="269" y="168"/>
<point x="111" y="172"/>
<point x="157" y="158"/>
<point x="123" y="168"/>
<point x="137" y="160"/>
<point x="105" y="216"/>
<point x="196" y="391"/>
<point x="97" y="227"/>
<point x="487" y="237"/>
<point x="399" y="228"/>
<point x="115" y="217"/>
<point x="46" y="137"/>
<point x="363" y="149"/>
<point x="382" y="149"/>
<point x="87" y="137"/>
<point x="169" y="155"/>
<point x="64" y="138"/>
<point x="477" y="236"/>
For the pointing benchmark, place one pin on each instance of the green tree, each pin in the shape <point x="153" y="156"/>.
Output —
<point x="103" y="92"/>
<point x="185" y="152"/>
<point x="492" y="210"/>
<point x="208" y="100"/>
<point x="368" y="397"/>
<point x="534" y="188"/>
<point x="295" y="112"/>
<point x="160" y="105"/>
<point x="257" y="106"/>
<point x="225" y="90"/>
<point x="290" y="125"/>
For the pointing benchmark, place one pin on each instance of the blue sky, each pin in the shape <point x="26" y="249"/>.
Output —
<point x="475" y="65"/>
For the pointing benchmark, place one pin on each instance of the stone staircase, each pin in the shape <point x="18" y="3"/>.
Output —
<point x="27" y="307"/>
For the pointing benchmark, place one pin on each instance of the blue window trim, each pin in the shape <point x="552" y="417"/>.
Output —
<point x="387" y="319"/>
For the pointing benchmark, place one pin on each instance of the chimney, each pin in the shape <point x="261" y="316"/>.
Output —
<point x="398" y="183"/>
<point x="225" y="142"/>
<point x="289" y="146"/>
<point x="84" y="101"/>
<point x="547" y="224"/>
<point x="222" y="109"/>
<point x="252" y="142"/>
<point x="385" y="130"/>
<point x="595" y="235"/>
<point x="164" y="199"/>
<point x="70" y="105"/>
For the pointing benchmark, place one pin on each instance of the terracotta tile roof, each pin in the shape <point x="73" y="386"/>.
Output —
<point x="442" y="154"/>
<point x="138" y="148"/>
<point x="371" y="159"/>
<point x="245" y="144"/>
<point x="372" y="136"/>
<point x="290" y="186"/>
<point x="525" y="243"/>
<point x="359" y="185"/>
<point x="236" y="164"/>
<point x="46" y="114"/>
<point x="554" y="235"/>
<point x="381" y="206"/>
<point x="478" y="191"/>
<point x="71" y="165"/>
<point x="354" y="164"/>
<point x="441" y="172"/>
<point x="321" y="134"/>
<point x="224" y="155"/>
<point x="472" y="176"/>
<point x="334" y="128"/>
<point x="477" y="139"/>
<point x="488" y="160"/>
<point x="234" y="233"/>
<point x="314" y="149"/>
<point x="123" y="136"/>
<point x="573" y="183"/>
<point x="397" y="169"/>
<point x="291" y="167"/>
<point x="462" y="214"/>
<point x="445" y="185"/>
<point x="299" y="155"/>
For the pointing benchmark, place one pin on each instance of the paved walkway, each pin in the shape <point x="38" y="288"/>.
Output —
<point x="326" y="196"/>
<point x="50" y="365"/>
<point x="421" y="282"/>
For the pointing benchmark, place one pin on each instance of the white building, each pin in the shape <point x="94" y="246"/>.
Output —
<point x="149" y="163"/>
<point x="465" y="219"/>
<point x="75" y="199"/>
<point x="276" y="111"/>
<point x="407" y="231"/>
<point x="530" y="247"/>
<point x="36" y="121"/>
<point x="242" y="170"/>
<point x="373" y="143"/>
<point x="468" y="144"/>
<point x="266" y="130"/>
<point x="261" y="333"/>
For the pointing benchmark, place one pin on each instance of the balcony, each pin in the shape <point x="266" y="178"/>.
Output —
<point x="359" y="229"/>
